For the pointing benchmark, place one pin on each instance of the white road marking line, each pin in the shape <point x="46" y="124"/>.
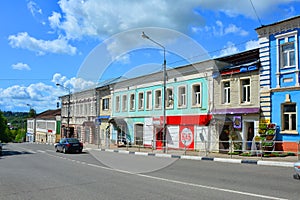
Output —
<point x="179" y="182"/>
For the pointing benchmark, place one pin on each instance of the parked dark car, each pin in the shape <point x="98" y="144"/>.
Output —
<point x="68" y="145"/>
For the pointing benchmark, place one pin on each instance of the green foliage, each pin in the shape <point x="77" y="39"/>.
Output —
<point x="18" y="122"/>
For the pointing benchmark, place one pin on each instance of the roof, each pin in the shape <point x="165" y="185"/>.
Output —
<point x="241" y="58"/>
<point x="49" y="114"/>
<point x="279" y="22"/>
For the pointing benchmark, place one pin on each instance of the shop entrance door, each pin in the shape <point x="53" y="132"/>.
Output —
<point x="159" y="139"/>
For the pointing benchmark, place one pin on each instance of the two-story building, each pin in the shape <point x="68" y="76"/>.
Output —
<point x="236" y="99"/>
<point x="138" y="108"/>
<point x="87" y="114"/>
<point x="279" y="80"/>
<point x="45" y="127"/>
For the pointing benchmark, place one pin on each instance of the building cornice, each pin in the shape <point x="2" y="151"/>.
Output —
<point x="278" y="27"/>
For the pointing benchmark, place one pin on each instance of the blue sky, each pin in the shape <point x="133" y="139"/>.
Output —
<point x="78" y="43"/>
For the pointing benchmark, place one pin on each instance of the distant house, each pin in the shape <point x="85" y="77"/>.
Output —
<point x="279" y="80"/>
<point x="44" y="127"/>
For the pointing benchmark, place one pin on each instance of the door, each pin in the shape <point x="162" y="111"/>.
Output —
<point x="139" y="134"/>
<point x="159" y="138"/>
<point x="248" y="134"/>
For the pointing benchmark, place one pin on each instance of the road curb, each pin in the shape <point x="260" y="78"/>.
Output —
<point x="228" y="160"/>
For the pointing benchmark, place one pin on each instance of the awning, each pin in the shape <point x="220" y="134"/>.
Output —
<point x="236" y="111"/>
<point x="103" y="117"/>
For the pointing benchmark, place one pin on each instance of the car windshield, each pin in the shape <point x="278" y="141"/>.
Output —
<point x="73" y="140"/>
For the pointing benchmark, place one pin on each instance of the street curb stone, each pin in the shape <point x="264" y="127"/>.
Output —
<point x="229" y="160"/>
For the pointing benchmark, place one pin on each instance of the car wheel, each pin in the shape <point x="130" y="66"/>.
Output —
<point x="64" y="150"/>
<point x="56" y="149"/>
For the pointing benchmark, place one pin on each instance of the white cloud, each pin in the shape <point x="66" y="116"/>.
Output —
<point x="229" y="49"/>
<point x="231" y="28"/>
<point x="252" y="44"/>
<point x="39" y="95"/>
<point x="24" y="41"/>
<point x="74" y="84"/>
<point x="91" y="18"/>
<point x="20" y="66"/>
<point x="219" y="29"/>
<point x="34" y="8"/>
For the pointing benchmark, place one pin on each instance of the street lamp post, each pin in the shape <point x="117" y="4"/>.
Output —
<point x="68" y="108"/>
<point x="164" y="88"/>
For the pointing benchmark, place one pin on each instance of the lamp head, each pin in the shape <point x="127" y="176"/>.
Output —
<point x="145" y="36"/>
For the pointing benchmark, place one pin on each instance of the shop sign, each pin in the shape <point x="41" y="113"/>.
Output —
<point x="237" y="122"/>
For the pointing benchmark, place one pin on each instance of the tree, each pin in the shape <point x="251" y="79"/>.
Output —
<point x="32" y="113"/>
<point x="4" y="131"/>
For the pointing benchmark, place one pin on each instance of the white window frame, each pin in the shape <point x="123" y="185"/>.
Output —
<point x="132" y="102"/>
<point x="287" y="53"/>
<point x="105" y="104"/>
<point x="170" y="98"/>
<point x="196" y="95"/>
<point x="290" y="114"/>
<point x="245" y="90"/>
<point x="149" y="100"/>
<point x="158" y="99"/>
<point x="117" y="104"/>
<point x="226" y="91"/>
<point x="182" y="97"/>
<point x="124" y="103"/>
<point x="141" y="100"/>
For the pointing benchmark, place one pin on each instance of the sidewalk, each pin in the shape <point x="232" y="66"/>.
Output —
<point x="287" y="161"/>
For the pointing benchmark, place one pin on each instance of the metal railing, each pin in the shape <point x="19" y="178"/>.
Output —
<point x="227" y="149"/>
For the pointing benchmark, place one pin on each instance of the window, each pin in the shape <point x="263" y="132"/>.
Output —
<point x="132" y="102"/>
<point x="287" y="54"/>
<point x="196" y="95"/>
<point x="105" y="104"/>
<point x="170" y="99"/>
<point x="181" y="96"/>
<point x="288" y="117"/>
<point x="245" y="90"/>
<point x="149" y="100"/>
<point x="226" y="92"/>
<point x="117" y="103"/>
<point x="124" y="103"/>
<point x="158" y="99"/>
<point x="141" y="101"/>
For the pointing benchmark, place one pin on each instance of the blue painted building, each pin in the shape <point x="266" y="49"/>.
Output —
<point x="279" y="80"/>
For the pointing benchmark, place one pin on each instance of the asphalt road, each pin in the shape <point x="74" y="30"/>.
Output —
<point x="36" y="171"/>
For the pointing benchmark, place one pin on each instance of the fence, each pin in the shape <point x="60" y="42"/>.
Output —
<point x="226" y="149"/>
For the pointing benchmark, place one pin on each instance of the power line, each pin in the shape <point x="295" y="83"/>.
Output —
<point x="258" y="19"/>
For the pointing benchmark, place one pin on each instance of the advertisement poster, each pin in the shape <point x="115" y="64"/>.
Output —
<point x="186" y="137"/>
